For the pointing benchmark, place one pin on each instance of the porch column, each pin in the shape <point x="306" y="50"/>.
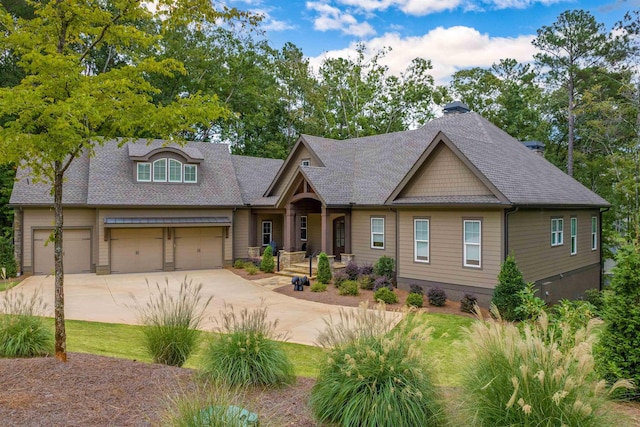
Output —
<point x="325" y="230"/>
<point x="347" y="232"/>
<point x="253" y="229"/>
<point x="289" y="228"/>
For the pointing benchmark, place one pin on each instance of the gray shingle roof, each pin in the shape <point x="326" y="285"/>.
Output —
<point x="254" y="176"/>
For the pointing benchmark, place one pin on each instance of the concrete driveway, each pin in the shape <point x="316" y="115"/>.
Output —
<point x="113" y="298"/>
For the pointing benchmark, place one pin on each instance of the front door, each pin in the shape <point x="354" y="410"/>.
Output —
<point x="338" y="237"/>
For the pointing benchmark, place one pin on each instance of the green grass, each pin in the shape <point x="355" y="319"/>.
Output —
<point x="4" y="285"/>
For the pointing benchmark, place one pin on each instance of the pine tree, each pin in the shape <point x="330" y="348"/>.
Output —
<point x="267" y="265"/>
<point x="324" y="270"/>
<point x="505" y="294"/>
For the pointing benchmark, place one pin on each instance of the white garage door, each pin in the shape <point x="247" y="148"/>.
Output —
<point x="76" y="250"/>
<point x="198" y="248"/>
<point x="136" y="250"/>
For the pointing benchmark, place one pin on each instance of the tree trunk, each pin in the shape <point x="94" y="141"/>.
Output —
<point x="572" y="123"/>
<point x="60" y="333"/>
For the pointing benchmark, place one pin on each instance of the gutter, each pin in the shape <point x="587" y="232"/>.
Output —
<point x="395" y="211"/>
<point x="508" y="212"/>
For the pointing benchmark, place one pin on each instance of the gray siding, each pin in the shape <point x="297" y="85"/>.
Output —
<point x="361" y="235"/>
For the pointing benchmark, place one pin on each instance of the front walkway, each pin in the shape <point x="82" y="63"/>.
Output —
<point x="112" y="298"/>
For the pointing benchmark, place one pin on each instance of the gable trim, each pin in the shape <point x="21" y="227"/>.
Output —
<point x="286" y="164"/>
<point x="298" y="175"/>
<point x="441" y="138"/>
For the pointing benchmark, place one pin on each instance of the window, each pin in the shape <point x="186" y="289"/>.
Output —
<point x="306" y="162"/>
<point x="557" y="225"/>
<point x="160" y="170"/>
<point x="303" y="228"/>
<point x="190" y="173"/>
<point x="472" y="233"/>
<point x="144" y="172"/>
<point x="267" y="232"/>
<point x="594" y="233"/>
<point x="574" y="236"/>
<point x="175" y="171"/>
<point x="377" y="233"/>
<point x="421" y="240"/>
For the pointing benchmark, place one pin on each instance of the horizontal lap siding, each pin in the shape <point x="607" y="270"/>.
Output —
<point x="361" y="235"/>
<point x="446" y="248"/>
<point x="530" y="241"/>
<point x="241" y="234"/>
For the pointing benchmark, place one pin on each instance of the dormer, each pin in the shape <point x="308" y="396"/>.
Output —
<point x="165" y="164"/>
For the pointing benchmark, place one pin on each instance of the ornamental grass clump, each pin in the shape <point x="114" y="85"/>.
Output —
<point x="171" y="322"/>
<point x="22" y="330"/>
<point x="532" y="376"/>
<point x="245" y="351"/>
<point x="375" y="375"/>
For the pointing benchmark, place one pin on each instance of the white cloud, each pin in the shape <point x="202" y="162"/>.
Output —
<point x="269" y="23"/>
<point x="449" y="49"/>
<point x="332" y="18"/>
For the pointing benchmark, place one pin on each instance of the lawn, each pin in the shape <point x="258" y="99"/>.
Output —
<point x="126" y="341"/>
<point x="7" y="284"/>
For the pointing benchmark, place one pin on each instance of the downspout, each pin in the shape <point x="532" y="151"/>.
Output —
<point x="508" y="212"/>
<point x="600" y="243"/>
<point x="395" y="211"/>
<point x="233" y="235"/>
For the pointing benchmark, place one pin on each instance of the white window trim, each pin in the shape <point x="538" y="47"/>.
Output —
<point x="305" y="228"/>
<point x="305" y="162"/>
<point x="138" y="172"/>
<point x="169" y="161"/>
<point x="465" y="244"/>
<point x="184" y="170"/>
<point x="153" y="172"/>
<point x="262" y="233"/>
<point x="377" y="233"/>
<point x="559" y="232"/>
<point x="594" y="233"/>
<point x="574" y="235"/>
<point x="416" y="241"/>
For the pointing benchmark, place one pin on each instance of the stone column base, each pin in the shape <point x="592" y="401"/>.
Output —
<point x="346" y="258"/>
<point x="254" y="252"/>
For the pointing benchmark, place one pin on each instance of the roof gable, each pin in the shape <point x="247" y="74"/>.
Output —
<point x="300" y="151"/>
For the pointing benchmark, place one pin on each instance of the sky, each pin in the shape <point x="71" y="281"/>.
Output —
<point x="452" y="34"/>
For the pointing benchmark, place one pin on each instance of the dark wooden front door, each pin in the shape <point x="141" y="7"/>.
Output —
<point x="338" y="237"/>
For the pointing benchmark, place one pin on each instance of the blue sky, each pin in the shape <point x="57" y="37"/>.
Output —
<point x="453" y="34"/>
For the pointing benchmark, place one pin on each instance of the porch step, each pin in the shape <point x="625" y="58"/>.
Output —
<point x="291" y="273"/>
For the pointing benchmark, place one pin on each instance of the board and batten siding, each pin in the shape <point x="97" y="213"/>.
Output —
<point x="530" y="242"/>
<point x="361" y="235"/>
<point x="446" y="247"/>
<point x="444" y="174"/>
<point x="44" y="218"/>
<point x="295" y="161"/>
<point x="240" y="230"/>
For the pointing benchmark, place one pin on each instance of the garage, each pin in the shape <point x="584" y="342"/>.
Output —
<point x="198" y="248"/>
<point x="76" y="251"/>
<point x="136" y="250"/>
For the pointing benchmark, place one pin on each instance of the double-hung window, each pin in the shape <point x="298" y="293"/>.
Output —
<point x="421" y="240"/>
<point x="303" y="228"/>
<point x="175" y="171"/>
<point x="594" y="233"/>
<point x="557" y="225"/>
<point x="574" y="236"/>
<point x="377" y="233"/>
<point x="472" y="243"/>
<point x="144" y="172"/>
<point x="267" y="232"/>
<point x="160" y="170"/>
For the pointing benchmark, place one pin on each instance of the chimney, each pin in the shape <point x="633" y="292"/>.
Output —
<point x="455" y="107"/>
<point x="535" y="146"/>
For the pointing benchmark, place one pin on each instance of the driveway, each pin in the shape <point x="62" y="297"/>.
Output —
<point x="113" y="298"/>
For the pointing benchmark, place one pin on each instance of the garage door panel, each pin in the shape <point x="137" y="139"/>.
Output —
<point x="136" y="250"/>
<point x="198" y="248"/>
<point x="76" y="250"/>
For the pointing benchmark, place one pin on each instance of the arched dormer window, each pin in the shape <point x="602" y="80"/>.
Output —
<point x="175" y="171"/>
<point x="160" y="170"/>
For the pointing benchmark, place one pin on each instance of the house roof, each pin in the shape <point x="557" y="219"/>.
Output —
<point x="254" y="176"/>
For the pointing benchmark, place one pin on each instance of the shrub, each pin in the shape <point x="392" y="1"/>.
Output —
<point x="366" y="270"/>
<point x="468" y="303"/>
<point x="531" y="378"/>
<point x="239" y="263"/>
<point x="572" y="314"/>
<point x="373" y="376"/>
<point x="171" y="322"/>
<point x="352" y="271"/>
<point x="366" y="281"/>
<point x="414" y="300"/>
<point x="348" y="287"/>
<point x="7" y="258"/>
<point x="22" y="331"/>
<point x="339" y="277"/>
<point x="530" y="306"/>
<point x="318" y="287"/>
<point x="437" y="297"/>
<point x="382" y="282"/>
<point x="267" y="265"/>
<point x="619" y="350"/>
<point x="505" y="295"/>
<point x="385" y="295"/>
<point x="596" y="298"/>
<point x="250" y="268"/>
<point x="244" y="352"/>
<point x="416" y="289"/>
<point x="385" y="266"/>
<point x="324" y="270"/>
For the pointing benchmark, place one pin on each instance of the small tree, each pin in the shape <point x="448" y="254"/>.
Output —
<point x="267" y="265"/>
<point x="506" y="295"/>
<point x="618" y="354"/>
<point x="324" y="270"/>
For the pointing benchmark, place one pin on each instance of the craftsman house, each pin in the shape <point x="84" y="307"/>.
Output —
<point x="447" y="201"/>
